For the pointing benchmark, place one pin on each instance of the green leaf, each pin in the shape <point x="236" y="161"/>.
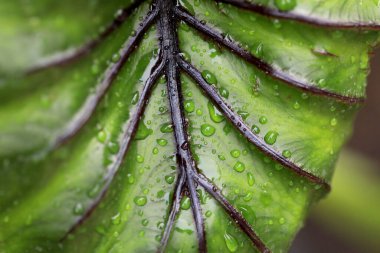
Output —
<point x="177" y="128"/>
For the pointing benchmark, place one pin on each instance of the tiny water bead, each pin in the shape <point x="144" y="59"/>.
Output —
<point x="285" y="5"/>
<point x="287" y="153"/>
<point x="250" y="179"/>
<point x="271" y="137"/>
<point x="139" y="158"/>
<point x="224" y="92"/>
<point x="162" y="142"/>
<point x="135" y="98"/>
<point x="115" y="57"/>
<point x="231" y="242"/>
<point x="143" y="131"/>
<point x="209" y="77"/>
<point x="235" y="153"/>
<point x="189" y="106"/>
<point x="116" y="219"/>
<point x="155" y="151"/>
<point x="333" y="122"/>
<point x="215" y="115"/>
<point x="263" y="120"/>
<point x="185" y="203"/>
<point x="208" y="214"/>
<point x="140" y="200"/>
<point x="145" y="222"/>
<point x="169" y="179"/>
<point x="102" y="136"/>
<point x="207" y="130"/>
<point x="78" y="209"/>
<point x="255" y="129"/>
<point x="239" y="167"/>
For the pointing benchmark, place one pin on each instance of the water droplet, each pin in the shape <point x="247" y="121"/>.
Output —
<point x="287" y="153"/>
<point x="239" y="167"/>
<point x="250" y="179"/>
<point x="166" y="128"/>
<point x="215" y="115"/>
<point x="271" y="137"/>
<point x="139" y="158"/>
<point x="140" y="200"/>
<point x="235" y="153"/>
<point x="185" y="203"/>
<point x="116" y="219"/>
<point x="135" y="98"/>
<point x="255" y="129"/>
<point x="115" y="57"/>
<point x="113" y="147"/>
<point x="207" y="130"/>
<point x="102" y="136"/>
<point x="263" y="120"/>
<point x="209" y="77"/>
<point x="162" y="142"/>
<point x="169" y="179"/>
<point x="243" y="114"/>
<point x="224" y="92"/>
<point x="296" y="105"/>
<point x="189" y="106"/>
<point x="78" y="209"/>
<point x="131" y="178"/>
<point x="281" y="220"/>
<point x="208" y="214"/>
<point x="231" y="242"/>
<point x="285" y="5"/>
<point x="143" y="131"/>
<point x="145" y="222"/>
<point x="155" y="151"/>
<point x="333" y="122"/>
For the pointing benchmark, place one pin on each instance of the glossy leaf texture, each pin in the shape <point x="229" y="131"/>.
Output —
<point x="171" y="126"/>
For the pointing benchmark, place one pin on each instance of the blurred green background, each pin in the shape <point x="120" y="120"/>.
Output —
<point x="348" y="220"/>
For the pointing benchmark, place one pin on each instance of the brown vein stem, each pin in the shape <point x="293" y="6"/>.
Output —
<point x="271" y="12"/>
<point x="156" y="72"/>
<point x="72" y="55"/>
<point x="243" y="128"/>
<point x="185" y="161"/>
<point x="89" y="106"/>
<point x="260" y="64"/>
<point x="174" y="209"/>
<point x="214" y="191"/>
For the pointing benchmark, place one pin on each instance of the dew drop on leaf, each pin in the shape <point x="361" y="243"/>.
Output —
<point x="271" y="137"/>
<point x="78" y="209"/>
<point x="285" y="5"/>
<point x="140" y="200"/>
<point x="255" y="129"/>
<point x="231" y="242"/>
<point x="207" y="130"/>
<point x="250" y="179"/>
<point x="215" y="115"/>
<point x="116" y="219"/>
<point x="209" y="77"/>
<point x="235" y="153"/>
<point x="239" y="167"/>
<point x="166" y="128"/>
<point x="189" y="106"/>
<point x="185" y="203"/>
<point x="224" y="92"/>
<point x="169" y="179"/>
<point x="162" y="142"/>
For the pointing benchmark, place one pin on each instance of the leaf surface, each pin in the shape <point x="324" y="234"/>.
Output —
<point x="196" y="126"/>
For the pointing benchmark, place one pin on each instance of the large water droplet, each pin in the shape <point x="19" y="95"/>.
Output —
<point x="209" y="77"/>
<point x="239" y="167"/>
<point x="140" y="200"/>
<point x="185" y="203"/>
<point x="271" y="137"/>
<point x="285" y="5"/>
<point x="166" y="128"/>
<point x="231" y="242"/>
<point x="207" y="130"/>
<point x="215" y="115"/>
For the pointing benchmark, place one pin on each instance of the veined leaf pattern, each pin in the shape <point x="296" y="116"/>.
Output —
<point x="213" y="127"/>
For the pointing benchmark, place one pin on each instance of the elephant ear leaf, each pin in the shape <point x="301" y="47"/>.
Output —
<point x="180" y="127"/>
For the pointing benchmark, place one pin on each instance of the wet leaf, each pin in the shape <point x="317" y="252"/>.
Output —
<point x="142" y="127"/>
